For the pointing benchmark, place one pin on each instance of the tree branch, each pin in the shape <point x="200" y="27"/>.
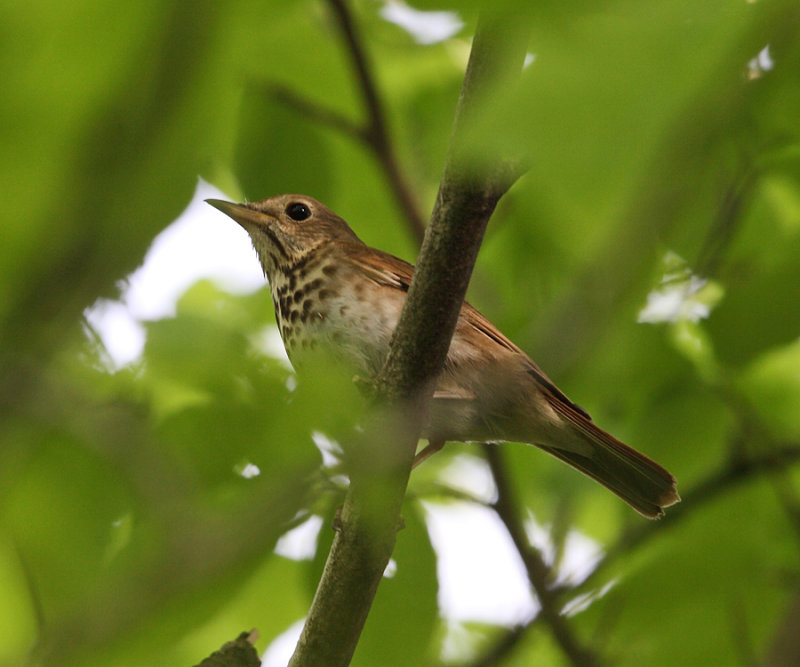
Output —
<point x="367" y="85"/>
<point x="376" y="133"/>
<point x="470" y="188"/>
<point x="382" y="149"/>
<point x="237" y="653"/>
<point x="373" y="133"/>
<point x="652" y="213"/>
<point x="712" y="487"/>
<point x="317" y="113"/>
<point x="539" y="574"/>
<point x="363" y="544"/>
<point x="726" y="222"/>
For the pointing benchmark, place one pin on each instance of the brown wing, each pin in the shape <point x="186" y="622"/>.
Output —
<point x="486" y="328"/>
<point x="383" y="268"/>
<point x="391" y="271"/>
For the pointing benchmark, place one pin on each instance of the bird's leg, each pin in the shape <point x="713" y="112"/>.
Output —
<point x="427" y="451"/>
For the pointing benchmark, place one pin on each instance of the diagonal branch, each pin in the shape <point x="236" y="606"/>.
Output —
<point x="716" y="484"/>
<point x="539" y="574"/>
<point x="376" y="133"/>
<point x="470" y="188"/>
<point x="317" y="113"/>
<point x="364" y="541"/>
<point x="369" y="91"/>
<point x="382" y="148"/>
<point x="373" y="133"/>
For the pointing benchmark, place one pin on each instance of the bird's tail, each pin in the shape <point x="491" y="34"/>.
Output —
<point x="638" y="480"/>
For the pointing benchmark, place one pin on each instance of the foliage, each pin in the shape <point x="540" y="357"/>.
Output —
<point x="663" y="164"/>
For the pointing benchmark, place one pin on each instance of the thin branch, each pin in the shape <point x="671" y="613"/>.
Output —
<point x="708" y="490"/>
<point x="720" y="481"/>
<point x="366" y="135"/>
<point x="739" y="467"/>
<point x="502" y="647"/>
<point x="365" y="537"/>
<point x="317" y="113"/>
<point x="366" y="82"/>
<point x="653" y="212"/>
<point x="539" y="574"/>
<point x="789" y="501"/>
<point x="376" y="133"/>
<point x="741" y="634"/>
<point x="785" y="645"/>
<point x="726" y="223"/>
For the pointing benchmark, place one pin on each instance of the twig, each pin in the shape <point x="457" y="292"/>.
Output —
<point x="376" y="134"/>
<point x="384" y="153"/>
<point x="502" y="647"/>
<point x="367" y="85"/>
<point x="539" y="574"/>
<point x="237" y="653"/>
<point x="728" y="218"/>
<point x="708" y="490"/>
<point x="655" y="209"/>
<point x="317" y="113"/>
<point x="712" y="487"/>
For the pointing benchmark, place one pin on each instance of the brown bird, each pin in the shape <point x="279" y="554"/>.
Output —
<point x="332" y="291"/>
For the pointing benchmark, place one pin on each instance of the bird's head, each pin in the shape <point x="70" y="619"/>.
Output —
<point x="287" y="228"/>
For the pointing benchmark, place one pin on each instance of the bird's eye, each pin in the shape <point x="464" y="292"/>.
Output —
<point x="298" y="211"/>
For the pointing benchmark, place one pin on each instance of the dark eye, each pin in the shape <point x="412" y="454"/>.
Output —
<point x="298" y="211"/>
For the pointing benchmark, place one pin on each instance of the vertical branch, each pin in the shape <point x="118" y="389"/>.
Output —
<point x="472" y="184"/>
<point x="365" y="538"/>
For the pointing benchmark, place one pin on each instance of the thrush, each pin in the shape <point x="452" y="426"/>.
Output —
<point x="334" y="293"/>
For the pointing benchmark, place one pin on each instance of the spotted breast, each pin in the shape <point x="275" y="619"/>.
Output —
<point x="318" y="305"/>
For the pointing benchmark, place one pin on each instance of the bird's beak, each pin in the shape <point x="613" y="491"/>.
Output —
<point x="241" y="213"/>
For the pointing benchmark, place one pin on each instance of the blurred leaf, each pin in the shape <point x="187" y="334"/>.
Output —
<point x="125" y="108"/>
<point x="759" y="309"/>
<point x="270" y="601"/>
<point x="772" y="383"/>
<point x="60" y="514"/>
<point x="688" y="583"/>
<point x="17" y="613"/>
<point x="269" y="133"/>
<point x="127" y="532"/>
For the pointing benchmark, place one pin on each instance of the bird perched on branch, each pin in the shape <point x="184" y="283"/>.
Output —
<point x="333" y="292"/>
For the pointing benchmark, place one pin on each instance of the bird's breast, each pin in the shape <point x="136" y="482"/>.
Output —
<point x="325" y="306"/>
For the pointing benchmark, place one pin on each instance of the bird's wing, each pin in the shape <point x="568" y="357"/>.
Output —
<point x="383" y="268"/>
<point x="391" y="271"/>
<point x="636" y="478"/>
<point x="484" y="327"/>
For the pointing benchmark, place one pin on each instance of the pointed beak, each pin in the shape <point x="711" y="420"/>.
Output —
<point x="241" y="213"/>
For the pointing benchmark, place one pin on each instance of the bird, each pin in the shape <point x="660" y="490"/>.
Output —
<point x="334" y="293"/>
